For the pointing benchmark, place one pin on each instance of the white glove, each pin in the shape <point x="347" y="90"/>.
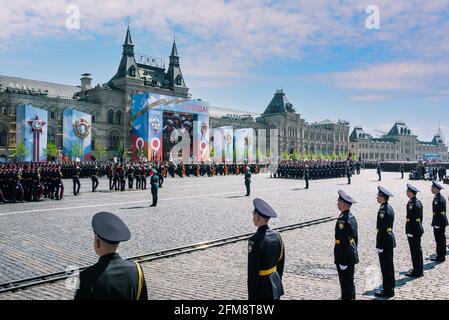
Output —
<point x="342" y="267"/>
<point x="409" y="235"/>
<point x="436" y="227"/>
<point x="379" y="250"/>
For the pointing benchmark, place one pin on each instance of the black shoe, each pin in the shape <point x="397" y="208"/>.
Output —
<point x="413" y="275"/>
<point x="438" y="259"/>
<point x="384" y="294"/>
<point x="153" y="205"/>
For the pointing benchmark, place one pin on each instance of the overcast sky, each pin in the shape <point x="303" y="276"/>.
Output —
<point x="235" y="54"/>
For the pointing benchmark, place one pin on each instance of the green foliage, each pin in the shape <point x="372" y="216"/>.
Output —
<point x="51" y="151"/>
<point x="20" y="152"/>
<point x="76" y="151"/>
<point x="100" y="151"/>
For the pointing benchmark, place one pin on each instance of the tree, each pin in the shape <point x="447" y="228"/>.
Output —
<point x="76" y="151"/>
<point x="99" y="151"/>
<point x="51" y="151"/>
<point x="20" y="152"/>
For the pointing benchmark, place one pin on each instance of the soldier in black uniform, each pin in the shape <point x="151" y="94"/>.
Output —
<point x="401" y="168"/>
<point x="94" y="178"/>
<point x="379" y="170"/>
<point x="130" y="174"/>
<point x="414" y="231"/>
<point x="348" y="172"/>
<point x="345" y="250"/>
<point x="385" y="242"/>
<point x="154" y="181"/>
<point x="112" y="277"/>
<point x="439" y="221"/>
<point x="76" y="180"/>
<point x="306" y="176"/>
<point x="248" y="181"/>
<point x="266" y="256"/>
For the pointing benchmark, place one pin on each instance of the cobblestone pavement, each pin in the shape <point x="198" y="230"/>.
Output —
<point x="198" y="209"/>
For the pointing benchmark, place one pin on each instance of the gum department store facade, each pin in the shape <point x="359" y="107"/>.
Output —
<point x="110" y="105"/>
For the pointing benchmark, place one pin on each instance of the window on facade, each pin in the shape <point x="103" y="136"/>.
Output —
<point x="52" y="115"/>
<point x="111" y="116"/>
<point x="93" y="119"/>
<point x="4" y="111"/>
<point x="3" y="137"/>
<point x="114" y="141"/>
<point x="178" y="80"/>
<point x="132" y="71"/>
<point x="119" y="117"/>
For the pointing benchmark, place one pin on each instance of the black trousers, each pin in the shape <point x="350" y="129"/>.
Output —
<point x="94" y="183"/>
<point x="402" y="174"/>
<point x="380" y="177"/>
<point x="440" y="239"/>
<point x="143" y="183"/>
<point x="248" y="188"/>
<point x="138" y="182"/>
<point x="130" y="182"/>
<point x="416" y="253"/>
<point x="387" y="268"/>
<point x="115" y="183"/>
<point x="347" y="282"/>
<point x="154" y="194"/>
<point x="307" y="183"/>
<point x="161" y="180"/>
<point x="122" y="183"/>
<point x="76" y="185"/>
<point x="349" y="180"/>
<point x="110" y="182"/>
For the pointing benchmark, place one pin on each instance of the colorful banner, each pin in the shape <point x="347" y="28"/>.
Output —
<point x="77" y="134"/>
<point x="159" y="122"/>
<point x="223" y="144"/>
<point x="244" y="142"/>
<point x="32" y="131"/>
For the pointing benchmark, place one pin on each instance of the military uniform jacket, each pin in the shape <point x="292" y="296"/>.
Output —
<point x="413" y="223"/>
<point x="439" y="218"/>
<point x="247" y="177"/>
<point x="265" y="252"/>
<point x="346" y="240"/>
<point x="154" y="182"/>
<point x="385" y="219"/>
<point x="111" y="278"/>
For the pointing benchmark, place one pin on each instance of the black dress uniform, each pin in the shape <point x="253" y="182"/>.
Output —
<point x="154" y="181"/>
<point x="345" y="250"/>
<point x="414" y="231"/>
<point x="112" y="277"/>
<point x="248" y="181"/>
<point x="385" y="242"/>
<point x="306" y="176"/>
<point x="76" y="180"/>
<point x="379" y="171"/>
<point x="439" y="223"/>
<point x="266" y="258"/>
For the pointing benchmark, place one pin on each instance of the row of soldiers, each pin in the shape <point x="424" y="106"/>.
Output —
<point x="30" y="182"/>
<point x="346" y="238"/>
<point x="316" y="169"/>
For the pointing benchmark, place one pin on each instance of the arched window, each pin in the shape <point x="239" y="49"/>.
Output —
<point x="111" y="116"/>
<point x="119" y="117"/>
<point x="178" y="80"/>
<point x="114" y="140"/>
<point x="3" y="138"/>
<point x="132" y="71"/>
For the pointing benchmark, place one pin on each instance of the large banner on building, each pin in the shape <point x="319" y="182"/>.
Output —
<point x="169" y="128"/>
<point x="32" y="131"/>
<point x="77" y="134"/>
<point x="244" y="142"/>
<point x="223" y="144"/>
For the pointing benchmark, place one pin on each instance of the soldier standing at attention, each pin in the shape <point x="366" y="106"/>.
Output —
<point x="306" y="176"/>
<point x="439" y="221"/>
<point x="248" y="181"/>
<point x="76" y="180"/>
<point x="345" y="249"/>
<point x="112" y="277"/>
<point x="414" y="231"/>
<point x="154" y="181"/>
<point x="266" y="256"/>
<point x="385" y="242"/>
<point x="348" y="172"/>
<point x="401" y="168"/>
<point x="379" y="170"/>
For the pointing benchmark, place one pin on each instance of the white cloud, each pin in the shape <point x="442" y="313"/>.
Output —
<point x="368" y="98"/>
